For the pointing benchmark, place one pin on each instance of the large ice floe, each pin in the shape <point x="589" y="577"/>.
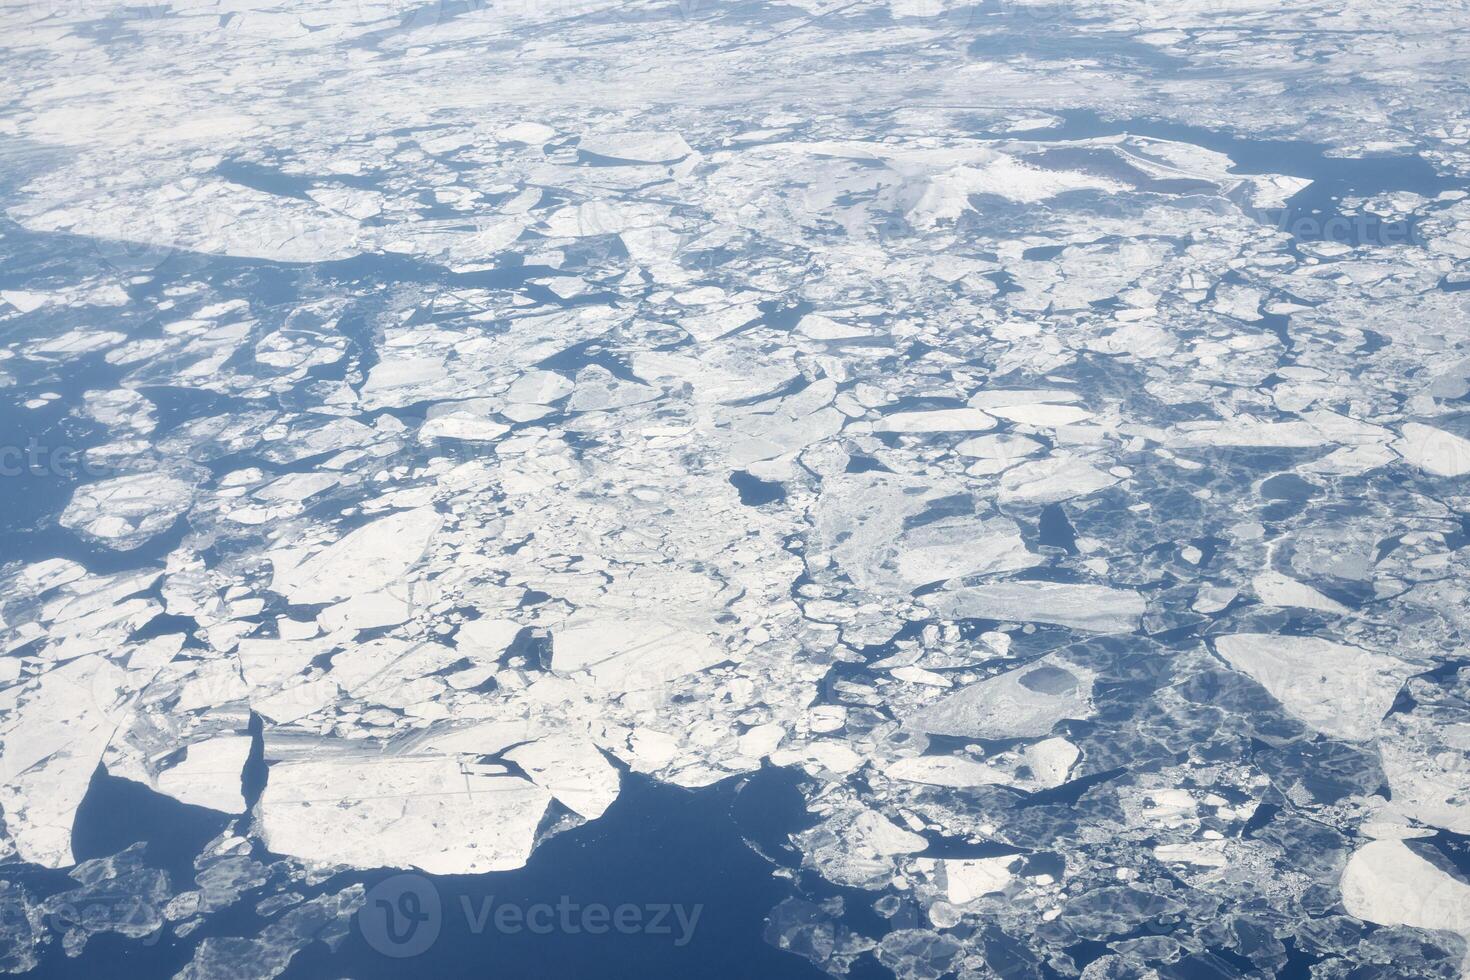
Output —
<point x="1032" y="436"/>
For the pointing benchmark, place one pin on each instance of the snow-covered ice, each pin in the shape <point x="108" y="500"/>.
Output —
<point x="1031" y="437"/>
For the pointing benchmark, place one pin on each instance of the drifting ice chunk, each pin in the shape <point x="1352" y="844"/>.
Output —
<point x="1247" y="432"/>
<point x="819" y="327"/>
<point x="946" y="550"/>
<point x="486" y="639"/>
<point x="1200" y="853"/>
<point x="1426" y="771"/>
<point x="626" y="655"/>
<point x="862" y="518"/>
<point x="858" y="848"/>
<point x="1050" y="481"/>
<point x="424" y="812"/>
<point x="761" y="740"/>
<point x="1434" y="450"/>
<point x="712" y="326"/>
<point x="1086" y="607"/>
<point x="25" y="300"/>
<point x="638" y="147"/>
<point x="51" y="744"/>
<point x="295" y="703"/>
<point x="121" y="408"/>
<point x="947" y="195"/>
<point x="1005" y="447"/>
<point x="1025" y="702"/>
<point x="1240" y="302"/>
<point x="818" y="755"/>
<point x="918" y="675"/>
<point x="966" y="880"/>
<point x="539" y="388"/>
<point x="1051" y="760"/>
<point x="210" y="774"/>
<point x="526" y="132"/>
<point x="1042" y="416"/>
<point x="761" y="436"/>
<point x="875" y="832"/>
<point x="266" y="663"/>
<point x="213" y="216"/>
<point x="1339" y="690"/>
<point x="1388" y="883"/>
<point x="366" y="560"/>
<point x="296" y="487"/>
<point x="325" y="919"/>
<point x="1004" y="397"/>
<point x="126" y="511"/>
<point x="946" y="770"/>
<point x="598" y="389"/>
<point x="1275" y="589"/>
<point x="570" y="769"/>
<point x="368" y="611"/>
<point x="402" y="379"/>
<point x="461" y="425"/>
<point x="944" y="420"/>
<point x="1273" y="190"/>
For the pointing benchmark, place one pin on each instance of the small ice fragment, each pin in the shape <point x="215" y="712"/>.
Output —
<point x="965" y="880"/>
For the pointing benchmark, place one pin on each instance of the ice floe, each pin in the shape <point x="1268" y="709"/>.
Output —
<point x="1086" y="607"/>
<point x="1342" y="690"/>
<point x="125" y="511"/>
<point x="1028" y="701"/>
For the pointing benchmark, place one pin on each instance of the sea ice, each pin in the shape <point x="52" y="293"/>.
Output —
<point x="1095" y="608"/>
<point x="1434" y="450"/>
<point x="414" y="811"/>
<point x="365" y="560"/>
<point x="1341" y="690"/>
<point x="1025" y="702"/>
<point x="125" y="511"/>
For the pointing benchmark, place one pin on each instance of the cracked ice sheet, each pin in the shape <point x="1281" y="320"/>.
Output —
<point x="827" y="419"/>
<point x="423" y="812"/>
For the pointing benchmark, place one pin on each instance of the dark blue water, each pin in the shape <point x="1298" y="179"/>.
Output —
<point x="656" y="846"/>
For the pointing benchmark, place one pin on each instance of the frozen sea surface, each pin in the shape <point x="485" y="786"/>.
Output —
<point x="639" y="489"/>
